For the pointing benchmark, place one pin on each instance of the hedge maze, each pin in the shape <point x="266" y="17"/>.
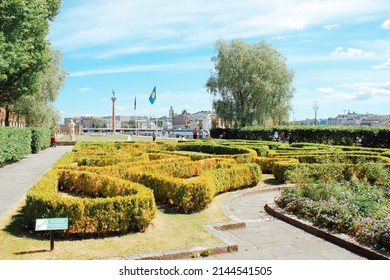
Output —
<point x="114" y="187"/>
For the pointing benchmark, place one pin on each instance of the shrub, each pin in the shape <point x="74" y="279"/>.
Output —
<point x="333" y="135"/>
<point x="195" y="194"/>
<point x="15" y="144"/>
<point x="40" y="139"/>
<point x="109" y="205"/>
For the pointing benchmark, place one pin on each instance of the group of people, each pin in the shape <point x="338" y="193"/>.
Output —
<point x="199" y="134"/>
<point x="283" y="138"/>
<point x="196" y="134"/>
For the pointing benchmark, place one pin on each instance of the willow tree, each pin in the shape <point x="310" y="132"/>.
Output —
<point x="24" y="50"/>
<point x="38" y="108"/>
<point x="251" y="83"/>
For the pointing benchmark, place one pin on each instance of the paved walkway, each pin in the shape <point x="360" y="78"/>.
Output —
<point x="17" y="178"/>
<point x="267" y="238"/>
<point x="264" y="237"/>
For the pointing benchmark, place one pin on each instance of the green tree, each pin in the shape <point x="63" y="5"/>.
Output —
<point x="252" y="82"/>
<point x="131" y="124"/>
<point x="38" y="108"/>
<point x="24" y="55"/>
<point x="98" y="123"/>
<point x="37" y="112"/>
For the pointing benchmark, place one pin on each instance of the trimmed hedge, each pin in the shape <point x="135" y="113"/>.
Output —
<point x="112" y="187"/>
<point x="40" y="139"/>
<point x="15" y="144"/>
<point x="188" y="195"/>
<point x="325" y="172"/>
<point x="332" y="135"/>
<point x="241" y="154"/>
<point x="109" y="205"/>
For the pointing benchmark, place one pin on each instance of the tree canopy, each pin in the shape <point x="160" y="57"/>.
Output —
<point x="251" y="82"/>
<point x="38" y="108"/>
<point x="25" y="52"/>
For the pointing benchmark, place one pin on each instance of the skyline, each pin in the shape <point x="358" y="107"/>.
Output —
<point x="339" y="52"/>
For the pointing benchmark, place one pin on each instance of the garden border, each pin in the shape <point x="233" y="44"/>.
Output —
<point x="341" y="240"/>
<point x="194" y="252"/>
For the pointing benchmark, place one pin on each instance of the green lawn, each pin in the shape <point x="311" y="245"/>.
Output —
<point x="168" y="231"/>
<point x="105" y="138"/>
<point x="110" y="137"/>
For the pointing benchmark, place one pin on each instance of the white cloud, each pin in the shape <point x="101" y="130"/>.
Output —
<point x="294" y="23"/>
<point x="332" y="93"/>
<point x="84" y="89"/>
<point x="140" y="68"/>
<point x="352" y="53"/>
<point x="386" y="24"/>
<point x="144" y="48"/>
<point x="384" y="65"/>
<point x="364" y="91"/>
<point x="279" y="37"/>
<point x="120" y="108"/>
<point x="331" y="26"/>
<point x="122" y="23"/>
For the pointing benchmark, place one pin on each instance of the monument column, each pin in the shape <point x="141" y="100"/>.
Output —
<point x="113" y="98"/>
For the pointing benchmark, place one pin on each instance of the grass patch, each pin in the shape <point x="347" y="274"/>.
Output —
<point x="95" y="138"/>
<point x="110" y="137"/>
<point x="168" y="231"/>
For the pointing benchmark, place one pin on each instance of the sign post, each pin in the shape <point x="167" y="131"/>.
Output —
<point x="51" y="224"/>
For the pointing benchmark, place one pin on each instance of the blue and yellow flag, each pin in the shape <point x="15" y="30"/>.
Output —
<point x="152" y="96"/>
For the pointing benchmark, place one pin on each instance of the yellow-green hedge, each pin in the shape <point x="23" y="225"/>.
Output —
<point x="106" y="205"/>
<point x="112" y="187"/>
<point x="194" y="194"/>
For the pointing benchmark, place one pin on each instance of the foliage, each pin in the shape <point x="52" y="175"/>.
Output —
<point x="38" y="108"/>
<point x="111" y="205"/>
<point x="98" y="176"/>
<point x="40" y="139"/>
<point x="15" y="144"/>
<point x="25" y="54"/>
<point x="252" y="82"/>
<point x="348" y="198"/>
<point x="37" y="112"/>
<point x="330" y="135"/>
<point x="357" y="209"/>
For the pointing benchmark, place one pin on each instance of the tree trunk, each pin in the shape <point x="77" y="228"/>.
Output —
<point x="7" y="115"/>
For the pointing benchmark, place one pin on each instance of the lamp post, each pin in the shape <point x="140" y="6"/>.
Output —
<point x="315" y="108"/>
<point x="113" y="98"/>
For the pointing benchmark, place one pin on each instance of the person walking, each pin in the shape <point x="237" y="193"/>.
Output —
<point x="154" y="135"/>
<point x="194" y="134"/>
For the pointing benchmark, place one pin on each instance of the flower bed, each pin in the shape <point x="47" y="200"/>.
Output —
<point x="359" y="210"/>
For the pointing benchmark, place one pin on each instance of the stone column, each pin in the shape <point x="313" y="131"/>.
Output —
<point x="113" y="98"/>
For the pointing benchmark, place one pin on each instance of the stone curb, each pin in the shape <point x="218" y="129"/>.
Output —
<point x="215" y="229"/>
<point x="341" y="240"/>
<point x="193" y="252"/>
<point x="66" y="143"/>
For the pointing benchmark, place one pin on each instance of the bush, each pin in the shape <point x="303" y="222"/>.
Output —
<point x="109" y="205"/>
<point x="40" y="139"/>
<point x="333" y="135"/>
<point x="15" y="144"/>
<point x="194" y="194"/>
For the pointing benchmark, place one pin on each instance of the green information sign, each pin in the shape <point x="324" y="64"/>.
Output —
<point x="51" y="224"/>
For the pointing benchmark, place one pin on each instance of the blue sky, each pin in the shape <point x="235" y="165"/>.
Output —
<point x="338" y="50"/>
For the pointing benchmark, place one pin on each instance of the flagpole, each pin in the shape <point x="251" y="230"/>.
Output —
<point x="136" y="120"/>
<point x="152" y="98"/>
